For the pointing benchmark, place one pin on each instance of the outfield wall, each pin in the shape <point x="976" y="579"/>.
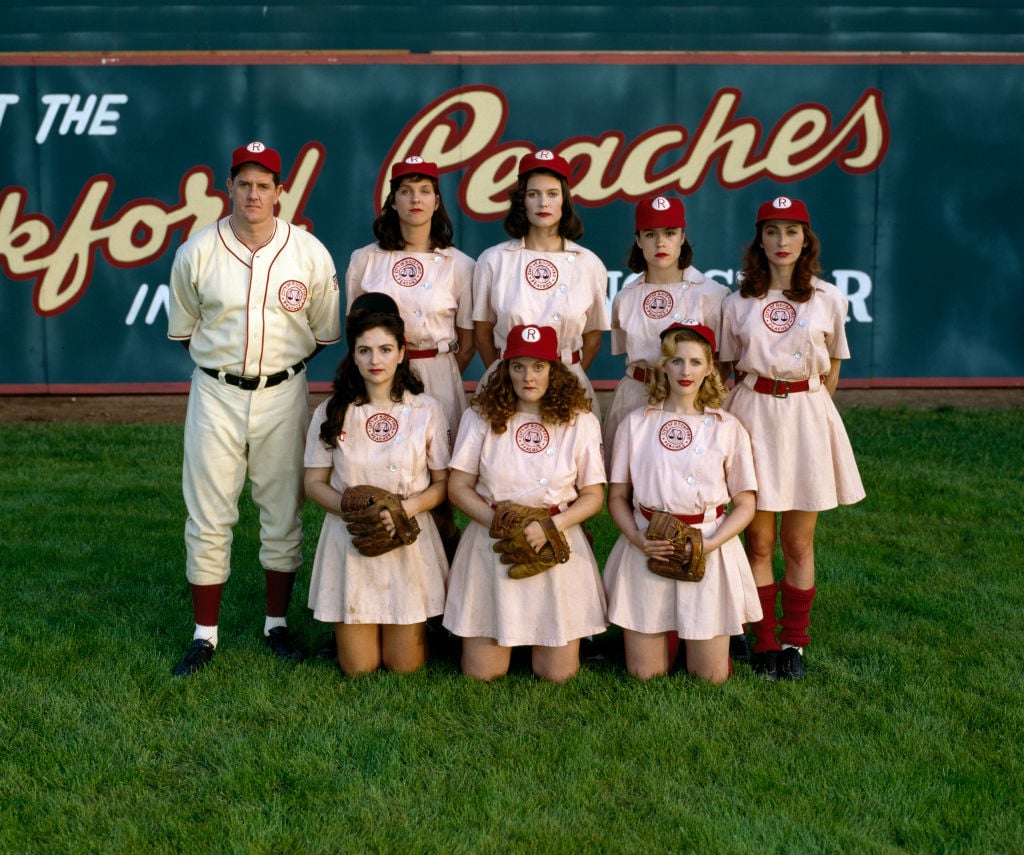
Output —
<point x="908" y="163"/>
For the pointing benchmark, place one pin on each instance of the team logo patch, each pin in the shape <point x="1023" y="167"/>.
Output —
<point x="381" y="427"/>
<point x="532" y="437"/>
<point x="779" y="316"/>
<point x="292" y="295"/>
<point x="541" y="274"/>
<point x="675" y="435"/>
<point x="407" y="272"/>
<point x="658" y="304"/>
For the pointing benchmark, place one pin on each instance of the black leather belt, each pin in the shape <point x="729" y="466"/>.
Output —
<point x="250" y="384"/>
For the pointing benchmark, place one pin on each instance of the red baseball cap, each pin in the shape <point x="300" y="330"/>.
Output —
<point x="783" y="208"/>
<point x="544" y="159"/>
<point x="704" y="332"/>
<point x="256" y="152"/>
<point x="533" y="341"/>
<point x="660" y="212"/>
<point x="414" y="165"/>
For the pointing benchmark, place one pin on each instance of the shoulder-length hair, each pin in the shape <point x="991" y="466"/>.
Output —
<point x="387" y="228"/>
<point x="570" y="226"/>
<point x="349" y="387"/>
<point x="756" y="272"/>
<point x="496" y="400"/>
<point x="712" y="390"/>
<point x="638" y="264"/>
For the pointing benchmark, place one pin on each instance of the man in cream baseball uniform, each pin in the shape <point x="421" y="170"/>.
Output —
<point x="253" y="298"/>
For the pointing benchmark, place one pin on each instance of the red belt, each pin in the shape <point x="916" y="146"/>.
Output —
<point x="421" y="354"/>
<point x="643" y="375"/>
<point x="689" y="519"/>
<point x="782" y="388"/>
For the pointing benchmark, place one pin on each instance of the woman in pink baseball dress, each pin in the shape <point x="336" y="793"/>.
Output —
<point x="685" y="455"/>
<point x="529" y="437"/>
<point x="784" y="334"/>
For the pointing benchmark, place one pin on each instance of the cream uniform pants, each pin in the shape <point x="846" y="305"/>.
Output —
<point x="229" y="433"/>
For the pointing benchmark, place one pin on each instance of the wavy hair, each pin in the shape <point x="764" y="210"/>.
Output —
<point x="712" y="390"/>
<point x="517" y="225"/>
<point x="496" y="401"/>
<point x="755" y="275"/>
<point x="387" y="228"/>
<point x="349" y="387"/>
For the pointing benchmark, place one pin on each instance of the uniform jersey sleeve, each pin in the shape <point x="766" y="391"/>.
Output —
<point x="462" y="288"/>
<point x="438" y="440"/>
<point x="589" y="451"/>
<point x="597" y="314"/>
<point x="739" y="464"/>
<point x="838" y="347"/>
<point x="324" y="312"/>
<point x="469" y="443"/>
<point x="354" y="274"/>
<point x="618" y="333"/>
<point x="729" y="347"/>
<point x="483" y="273"/>
<point x="622" y="451"/>
<point x="183" y="311"/>
<point x="317" y="455"/>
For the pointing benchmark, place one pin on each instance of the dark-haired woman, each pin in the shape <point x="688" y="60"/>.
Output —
<point x="378" y="429"/>
<point x="529" y="437"/>
<point x="669" y="290"/>
<point x="415" y="262"/>
<point x="682" y="454"/>
<point x="542" y="276"/>
<point x="784" y="332"/>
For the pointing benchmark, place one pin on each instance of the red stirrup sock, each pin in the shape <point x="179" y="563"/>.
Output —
<point x="764" y="629"/>
<point x="206" y="603"/>
<point x="796" y="614"/>
<point x="279" y="592"/>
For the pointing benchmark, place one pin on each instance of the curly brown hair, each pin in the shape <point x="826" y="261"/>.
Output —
<point x="755" y="276"/>
<point x="712" y="390"/>
<point x="496" y="400"/>
<point x="387" y="228"/>
<point x="570" y="226"/>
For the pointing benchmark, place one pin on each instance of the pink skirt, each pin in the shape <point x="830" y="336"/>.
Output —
<point x="549" y="609"/>
<point x="802" y="455"/>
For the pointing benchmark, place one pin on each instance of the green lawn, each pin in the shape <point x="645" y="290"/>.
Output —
<point x="906" y="735"/>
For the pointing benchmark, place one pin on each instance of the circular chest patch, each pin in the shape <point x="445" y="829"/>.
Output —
<point x="292" y="295"/>
<point x="779" y="316"/>
<point x="381" y="427"/>
<point x="407" y="272"/>
<point x="532" y="437"/>
<point x="541" y="274"/>
<point x="658" y="304"/>
<point x="675" y="435"/>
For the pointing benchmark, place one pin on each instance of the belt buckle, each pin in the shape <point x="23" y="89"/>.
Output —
<point x="775" y="387"/>
<point x="249" y="384"/>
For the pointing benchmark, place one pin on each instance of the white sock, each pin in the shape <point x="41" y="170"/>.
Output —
<point x="207" y="632"/>
<point x="273" y="623"/>
<point x="799" y="650"/>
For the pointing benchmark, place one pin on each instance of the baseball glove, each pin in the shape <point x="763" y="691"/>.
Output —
<point x="508" y="528"/>
<point x="361" y="508"/>
<point x="686" y="563"/>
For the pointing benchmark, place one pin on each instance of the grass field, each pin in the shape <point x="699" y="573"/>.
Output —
<point x="906" y="735"/>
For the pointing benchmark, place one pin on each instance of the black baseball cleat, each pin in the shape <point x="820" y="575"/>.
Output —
<point x="196" y="658"/>
<point x="791" y="664"/>
<point x="766" y="665"/>
<point x="280" y="641"/>
<point x="739" y="648"/>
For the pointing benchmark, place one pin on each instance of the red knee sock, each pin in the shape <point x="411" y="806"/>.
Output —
<point x="796" y="614"/>
<point x="206" y="603"/>
<point x="764" y="629"/>
<point x="279" y="592"/>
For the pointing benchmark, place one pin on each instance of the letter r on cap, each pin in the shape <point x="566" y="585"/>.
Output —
<point x="531" y="334"/>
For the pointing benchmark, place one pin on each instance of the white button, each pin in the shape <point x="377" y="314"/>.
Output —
<point x="691" y="480"/>
<point x="437" y="259"/>
<point x="802" y="322"/>
<point x="571" y="259"/>
<point x="550" y="452"/>
<point x="677" y="317"/>
<point x="543" y="482"/>
<point x="419" y="312"/>
<point x="405" y="411"/>
<point x="399" y="439"/>
<point x="393" y="468"/>
<point x="698" y="450"/>
<point x="428" y="286"/>
<point x="708" y="420"/>
<point x="686" y="285"/>
<point x="557" y="318"/>
<point x="563" y="288"/>
<point x="799" y="355"/>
